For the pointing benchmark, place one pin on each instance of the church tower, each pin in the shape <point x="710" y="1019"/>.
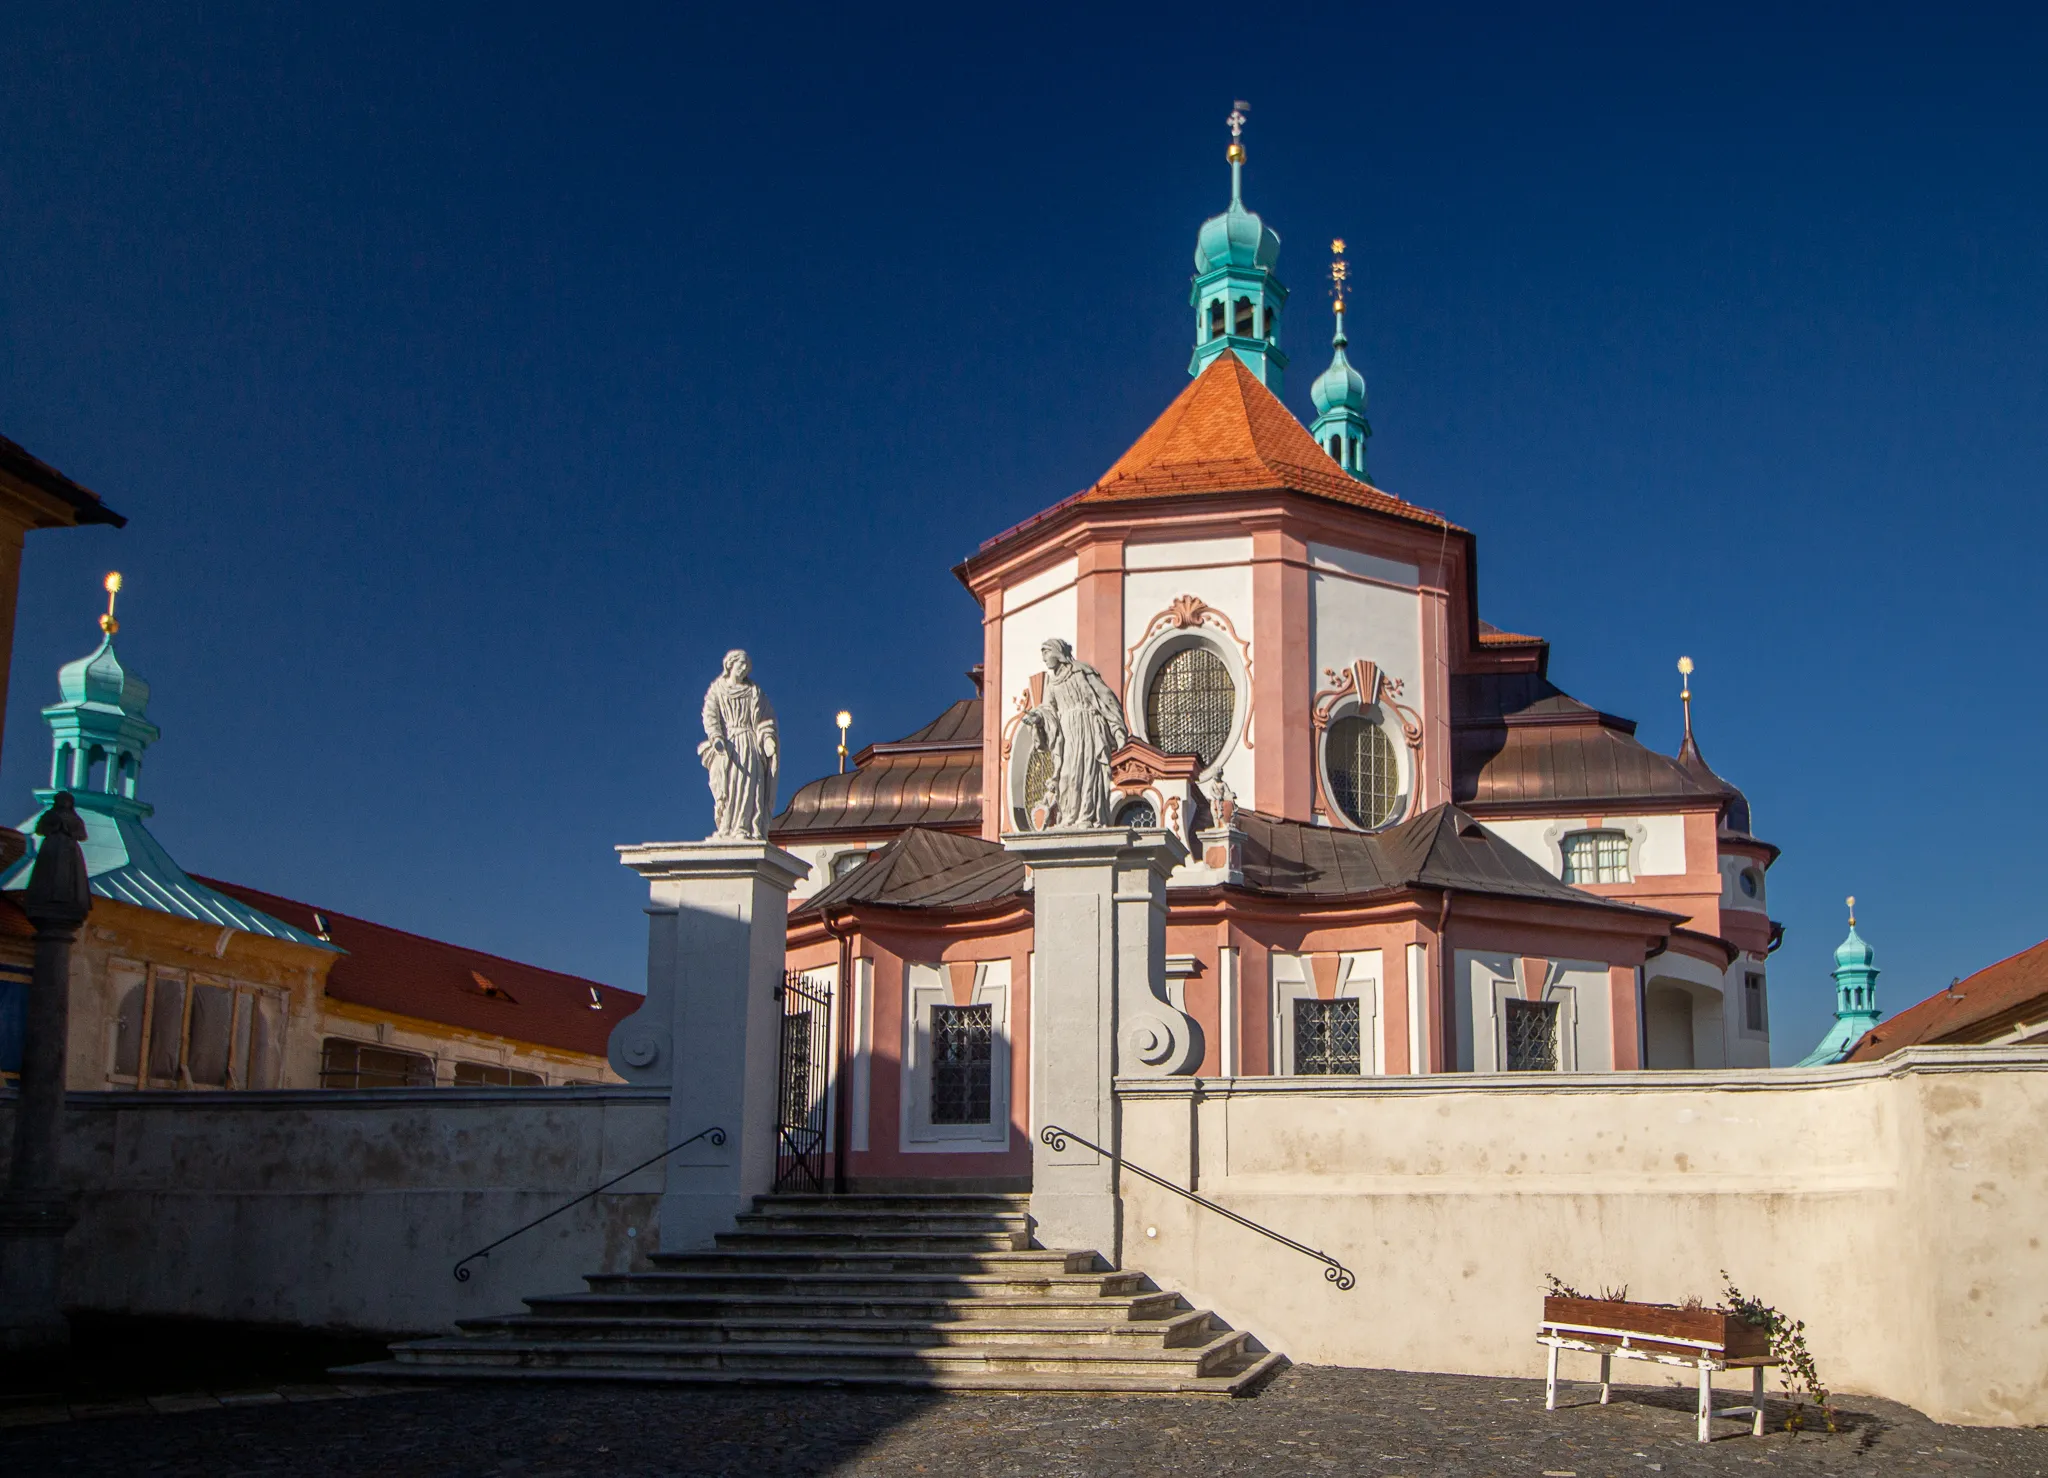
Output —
<point x="98" y="730"/>
<point x="1855" y="998"/>
<point x="1236" y="297"/>
<point x="1339" y="392"/>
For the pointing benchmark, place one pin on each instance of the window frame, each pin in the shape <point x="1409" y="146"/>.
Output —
<point x="1606" y="841"/>
<point x="924" y="986"/>
<point x="1153" y="655"/>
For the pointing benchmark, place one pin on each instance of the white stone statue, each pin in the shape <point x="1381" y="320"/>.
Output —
<point x="740" y="749"/>
<point x="1080" y="724"/>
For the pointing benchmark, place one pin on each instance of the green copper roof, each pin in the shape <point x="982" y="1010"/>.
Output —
<point x="98" y="734"/>
<point x="1855" y="1000"/>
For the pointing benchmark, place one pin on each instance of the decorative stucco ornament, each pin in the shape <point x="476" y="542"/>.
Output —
<point x="1080" y="724"/>
<point x="740" y="750"/>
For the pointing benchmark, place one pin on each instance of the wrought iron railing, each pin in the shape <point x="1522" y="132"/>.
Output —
<point x="1333" y="1270"/>
<point x="714" y="1134"/>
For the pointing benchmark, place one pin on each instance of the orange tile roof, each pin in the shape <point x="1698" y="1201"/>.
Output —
<point x="1228" y="433"/>
<point x="1988" y="1004"/>
<point x="405" y="974"/>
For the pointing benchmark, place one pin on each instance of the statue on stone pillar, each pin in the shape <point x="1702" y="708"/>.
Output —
<point x="741" y="751"/>
<point x="1080" y="725"/>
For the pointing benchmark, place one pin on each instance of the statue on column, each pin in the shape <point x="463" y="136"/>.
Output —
<point x="1080" y="725"/>
<point x="740" y="750"/>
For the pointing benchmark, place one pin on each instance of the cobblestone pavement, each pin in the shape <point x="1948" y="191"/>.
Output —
<point x="1309" y="1421"/>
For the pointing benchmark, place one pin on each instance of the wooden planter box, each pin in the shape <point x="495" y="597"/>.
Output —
<point x="1664" y="1328"/>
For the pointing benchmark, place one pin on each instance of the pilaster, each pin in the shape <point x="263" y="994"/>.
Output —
<point x="711" y="1028"/>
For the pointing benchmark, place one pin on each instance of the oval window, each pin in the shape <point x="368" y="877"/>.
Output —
<point x="1364" y="778"/>
<point x="1190" y="704"/>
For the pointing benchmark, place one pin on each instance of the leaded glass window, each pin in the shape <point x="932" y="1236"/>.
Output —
<point x="1325" y="1036"/>
<point x="962" y="1054"/>
<point x="1038" y="776"/>
<point x="1190" y="704"/>
<point x="1596" y="857"/>
<point x="1137" y="813"/>
<point x="1531" y="1036"/>
<point x="1365" y="780"/>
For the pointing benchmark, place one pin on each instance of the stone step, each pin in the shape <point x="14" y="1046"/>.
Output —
<point x="894" y="1224"/>
<point x="823" y="1359"/>
<point x="829" y="1239"/>
<point x="1079" y="1309"/>
<point x="1175" y="1332"/>
<point x="854" y="1284"/>
<point x="964" y="1204"/>
<point x="853" y="1260"/>
<point x="1247" y="1376"/>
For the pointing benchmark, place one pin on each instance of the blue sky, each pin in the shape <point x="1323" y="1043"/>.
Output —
<point x="473" y="378"/>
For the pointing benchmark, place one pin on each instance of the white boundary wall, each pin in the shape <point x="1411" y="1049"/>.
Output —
<point x="347" y="1210"/>
<point x="1898" y="1207"/>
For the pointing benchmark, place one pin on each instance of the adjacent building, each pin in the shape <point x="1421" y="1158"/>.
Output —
<point x="182" y="982"/>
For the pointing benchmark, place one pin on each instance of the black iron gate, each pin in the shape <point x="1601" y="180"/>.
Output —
<point x="800" y="1102"/>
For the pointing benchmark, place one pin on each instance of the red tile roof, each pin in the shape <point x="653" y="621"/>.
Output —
<point x="1228" y="433"/>
<point x="388" y="969"/>
<point x="1988" y="1005"/>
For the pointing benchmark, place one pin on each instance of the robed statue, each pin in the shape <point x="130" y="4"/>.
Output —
<point x="740" y="750"/>
<point x="1080" y="725"/>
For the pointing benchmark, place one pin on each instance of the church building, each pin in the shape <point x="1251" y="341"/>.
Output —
<point x="1407" y="851"/>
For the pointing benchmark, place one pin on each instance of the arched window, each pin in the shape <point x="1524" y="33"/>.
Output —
<point x="1365" y="779"/>
<point x="1596" y="857"/>
<point x="1215" y="318"/>
<point x="1137" y="813"/>
<point x="1246" y="322"/>
<point x="1190" y="703"/>
<point x="1337" y="449"/>
<point x="846" y="862"/>
<point x="1269" y="325"/>
<point x="96" y="769"/>
<point x="60" y="772"/>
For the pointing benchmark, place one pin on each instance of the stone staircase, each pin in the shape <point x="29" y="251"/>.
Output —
<point x="940" y="1292"/>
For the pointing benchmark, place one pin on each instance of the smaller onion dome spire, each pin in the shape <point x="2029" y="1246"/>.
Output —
<point x="1340" y="426"/>
<point x="1855" y="998"/>
<point x="100" y="727"/>
<point x="1236" y="297"/>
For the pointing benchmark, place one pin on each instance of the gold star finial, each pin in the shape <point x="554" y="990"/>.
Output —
<point x="1340" y="272"/>
<point x="1685" y="691"/>
<point x="1852" y="910"/>
<point x="113" y="586"/>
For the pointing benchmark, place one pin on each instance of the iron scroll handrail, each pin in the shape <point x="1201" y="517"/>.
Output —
<point x="1333" y="1270"/>
<point x="714" y="1134"/>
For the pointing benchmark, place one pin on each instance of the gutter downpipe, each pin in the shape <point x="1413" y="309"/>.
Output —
<point x="842" y="1123"/>
<point x="1447" y="983"/>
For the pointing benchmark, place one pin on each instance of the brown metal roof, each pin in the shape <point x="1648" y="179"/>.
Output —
<point x="930" y="778"/>
<point x="926" y="869"/>
<point x="1516" y="739"/>
<point x="1989" y="1005"/>
<point x="20" y="463"/>
<point x="1443" y="848"/>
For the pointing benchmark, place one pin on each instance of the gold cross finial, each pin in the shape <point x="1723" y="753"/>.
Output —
<point x="107" y="622"/>
<point x="1236" y="120"/>
<point x="1340" y="272"/>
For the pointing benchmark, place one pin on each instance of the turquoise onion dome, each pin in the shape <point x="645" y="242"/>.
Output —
<point x="1854" y="954"/>
<point x="1237" y="238"/>
<point x="1340" y="387"/>
<point x="99" y="679"/>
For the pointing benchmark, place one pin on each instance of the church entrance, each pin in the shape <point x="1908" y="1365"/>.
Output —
<point x="802" y="1111"/>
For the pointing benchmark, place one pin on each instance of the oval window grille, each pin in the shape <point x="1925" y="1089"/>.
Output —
<point x="1365" y="781"/>
<point x="1190" y="705"/>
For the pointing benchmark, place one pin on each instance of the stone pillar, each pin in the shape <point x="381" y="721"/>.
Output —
<point x="711" y="1028"/>
<point x="1098" y="1007"/>
<point x="34" y="1215"/>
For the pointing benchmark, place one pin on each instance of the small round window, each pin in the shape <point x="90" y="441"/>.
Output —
<point x="1364" y="779"/>
<point x="1190" y="703"/>
<point x="1748" y="881"/>
<point x="1137" y="813"/>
